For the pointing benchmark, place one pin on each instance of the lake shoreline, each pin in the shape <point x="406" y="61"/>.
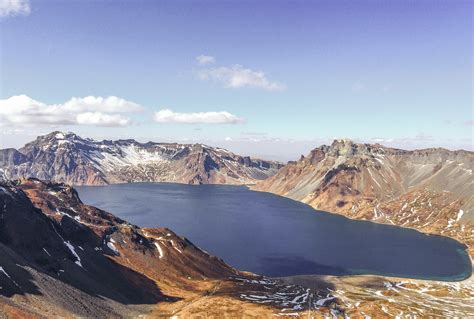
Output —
<point x="467" y="247"/>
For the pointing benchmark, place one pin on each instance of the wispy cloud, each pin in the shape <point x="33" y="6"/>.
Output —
<point x="420" y="141"/>
<point x="168" y="116"/>
<point x="236" y="76"/>
<point x="10" y="8"/>
<point x="387" y="87"/>
<point x="239" y="77"/>
<point x="358" y="86"/>
<point x="246" y="133"/>
<point x="90" y="110"/>
<point x="205" y="59"/>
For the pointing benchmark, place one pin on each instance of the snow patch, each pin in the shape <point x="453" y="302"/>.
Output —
<point x="175" y="247"/>
<point x="8" y="276"/>
<point x="160" y="251"/>
<point x="60" y="136"/>
<point x="113" y="248"/>
<point x="321" y="302"/>
<point x="73" y="251"/>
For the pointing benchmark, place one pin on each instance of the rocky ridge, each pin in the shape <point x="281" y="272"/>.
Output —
<point x="68" y="158"/>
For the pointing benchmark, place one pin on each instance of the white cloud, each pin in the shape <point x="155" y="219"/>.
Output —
<point x="205" y="59"/>
<point x="10" y="8"/>
<point x="90" y="110"/>
<point x="237" y="76"/>
<point x="102" y="104"/>
<point x="102" y="119"/>
<point x="168" y="116"/>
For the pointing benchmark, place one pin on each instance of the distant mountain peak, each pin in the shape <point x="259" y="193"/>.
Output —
<point x="67" y="157"/>
<point x="342" y="141"/>
<point x="57" y="136"/>
<point x="60" y="135"/>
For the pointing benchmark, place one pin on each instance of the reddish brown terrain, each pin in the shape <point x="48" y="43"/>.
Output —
<point x="62" y="258"/>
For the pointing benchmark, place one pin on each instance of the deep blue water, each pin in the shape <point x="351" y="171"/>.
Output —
<point x="276" y="236"/>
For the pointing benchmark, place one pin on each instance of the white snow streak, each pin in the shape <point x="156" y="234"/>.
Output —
<point x="160" y="251"/>
<point x="73" y="251"/>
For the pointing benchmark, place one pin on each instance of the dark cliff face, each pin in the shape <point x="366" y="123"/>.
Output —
<point x="66" y="157"/>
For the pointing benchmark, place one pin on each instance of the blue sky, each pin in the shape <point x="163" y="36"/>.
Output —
<point x="281" y="76"/>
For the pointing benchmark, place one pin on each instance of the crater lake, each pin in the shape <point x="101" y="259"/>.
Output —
<point x="276" y="236"/>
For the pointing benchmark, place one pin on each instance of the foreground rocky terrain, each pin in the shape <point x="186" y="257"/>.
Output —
<point x="68" y="158"/>
<point x="62" y="258"/>
<point x="389" y="297"/>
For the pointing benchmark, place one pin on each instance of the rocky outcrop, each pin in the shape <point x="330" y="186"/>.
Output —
<point x="68" y="158"/>
<point x="430" y="190"/>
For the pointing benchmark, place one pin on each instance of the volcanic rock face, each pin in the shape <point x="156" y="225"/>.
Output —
<point x="68" y="158"/>
<point x="431" y="189"/>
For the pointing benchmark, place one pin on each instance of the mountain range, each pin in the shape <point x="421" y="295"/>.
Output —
<point x="68" y="158"/>
<point x="428" y="189"/>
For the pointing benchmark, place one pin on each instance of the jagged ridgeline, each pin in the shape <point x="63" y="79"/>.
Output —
<point x="68" y="158"/>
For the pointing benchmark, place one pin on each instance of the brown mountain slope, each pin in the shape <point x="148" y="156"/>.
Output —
<point x="62" y="258"/>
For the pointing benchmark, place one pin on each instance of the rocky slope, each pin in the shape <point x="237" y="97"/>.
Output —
<point x="430" y="190"/>
<point x="68" y="158"/>
<point x="388" y="297"/>
<point x="62" y="258"/>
